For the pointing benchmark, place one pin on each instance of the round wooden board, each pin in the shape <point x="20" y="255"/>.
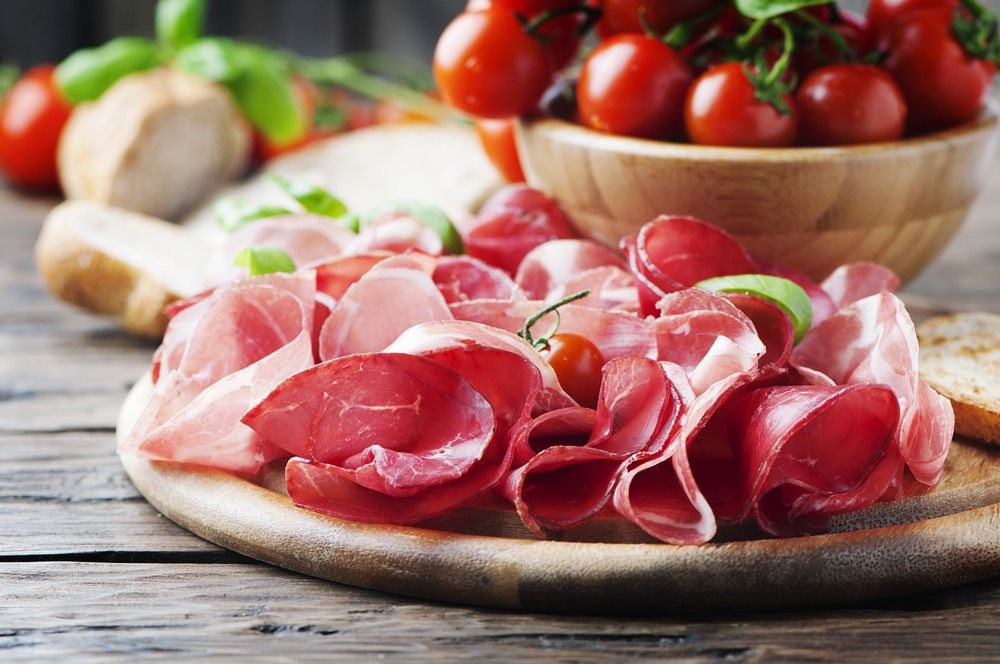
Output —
<point x="483" y="557"/>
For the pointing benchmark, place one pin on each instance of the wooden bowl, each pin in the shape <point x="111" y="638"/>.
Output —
<point x="812" y="209"/>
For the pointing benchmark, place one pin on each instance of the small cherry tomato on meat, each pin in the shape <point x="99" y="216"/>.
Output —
<point x="882" y="14"/>
<point x="625" y="15"/>
<point x="497" y="139"/>
<point x="486" y="65"/>
<point x="558" y="34"/>
<point x="849" y="104"/>
<point x="722" y="109"/>
<point x="633" y="85"/>
<point x="942" y="84"/>
<point x="577" y="363"/>
<point x="32" y="117"/>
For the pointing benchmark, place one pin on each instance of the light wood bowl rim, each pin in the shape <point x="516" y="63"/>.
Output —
<point x="564" y="131"/>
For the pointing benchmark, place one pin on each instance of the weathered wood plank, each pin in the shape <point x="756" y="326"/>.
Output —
<point x="51" y="610"/>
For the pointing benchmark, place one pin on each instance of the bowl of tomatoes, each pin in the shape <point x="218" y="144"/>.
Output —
<point x="815" y="135"/>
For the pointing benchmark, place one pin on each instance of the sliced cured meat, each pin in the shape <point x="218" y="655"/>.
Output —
<point x="564" y="484"/>
<point x="335" y="276"/>
<point x="768" y="451"/>
<point x="393" y="296"/>
<point x="394" y="438"/>
<point x="772" y="325"/>
<point x="396" y="232"/>
<point x="238" y="344"/>
<point x="855" y="281"/>
<point x="707" y="336"/>
<point x="554" y="263"/>
<point x="615" y="333"/>
<point x="565" y="427"/>
<point x="672" y="253"/>
<point x="872" y="341"/>
<point x="463" y="278"/>
<point x="305" y="238"/>
<point x="442" y="335"/>
<point x="611" y="288"/>
<point x="511" y="223"/>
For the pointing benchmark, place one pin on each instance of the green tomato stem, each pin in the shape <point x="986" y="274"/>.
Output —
<point x="821" y="27"/>
<point x="743" y="41"/>
<point x="788" y="48"/>
<point x="525" y="332"/>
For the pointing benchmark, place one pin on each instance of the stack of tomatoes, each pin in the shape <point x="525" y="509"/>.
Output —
<point x="754" y="73"/>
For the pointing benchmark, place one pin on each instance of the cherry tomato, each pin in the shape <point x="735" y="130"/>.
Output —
<point x="32" y="117"/>
<point x="497" y="139"/>
<point x="722" y="109"/>
<point x="486" y="65"/>
<point x="624" y="15"/>
<point x="577" y="363"/>
<point x="558" y="34"/>
<point x="849" y="104"/>
<point x="633" y="85"/>
<point x="823" y="51"/>
<point x="882" y="14"/>
<point x="942" y="84"/>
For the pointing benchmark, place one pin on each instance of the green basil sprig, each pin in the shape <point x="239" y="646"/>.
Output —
<point x="264" y="260"/>
<point x="312" y="198"/>
<point x="233" y="214"/>
<point x="88" y="73"/>
<point x="430" y="216"/>
<point x="765" y="9"/>
<point x="179" y="22"/>
<point x="786" y="294"/>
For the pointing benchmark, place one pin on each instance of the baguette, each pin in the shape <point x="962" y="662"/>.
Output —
<point x="112" y="261"/>
<point x="960" y="358"/>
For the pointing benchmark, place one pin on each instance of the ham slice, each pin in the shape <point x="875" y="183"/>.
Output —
<point x="511" y="223"/>
<point x="565" y="482"/>
<point x="391" y="297"/>
<point x="394" y="438"/>
<point x="554" y="263"/>
<point x="463" y="278"/>
<point x="615" y="333"/>
<point x="872" y="341"/>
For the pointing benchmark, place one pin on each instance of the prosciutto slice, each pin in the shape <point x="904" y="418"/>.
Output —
<point x="872" y="341"/>
<point x="611" y="288"/>
<point x="397" y="232"/>
<point x="615" y="333"/>
<point x="246" y="338"/>
<point x="511" y="223"/>
<point x="565" y="482"/>
<point x="856" y="281"/>
<point x="554" y="263"/>
<point x="672" y="253"/>
<point x="394" y="438"/>
<point x="393" y="296"/>
<point x="463" y="278"/>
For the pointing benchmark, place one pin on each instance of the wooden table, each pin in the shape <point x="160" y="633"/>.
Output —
<point x="89" y="570"/>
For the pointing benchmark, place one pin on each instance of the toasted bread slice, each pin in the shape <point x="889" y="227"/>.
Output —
<point x="117" y="262"/>
<point x="156" y="143"/>
<point x="960" y="358"/>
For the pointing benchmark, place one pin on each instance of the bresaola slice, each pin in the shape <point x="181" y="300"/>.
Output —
<point x="396" y="438"/>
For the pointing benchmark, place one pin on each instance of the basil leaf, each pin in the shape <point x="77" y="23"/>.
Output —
<point x="312" y="198"/>
<point x="212" y="58"/>
<point x="179" y="22"/>
<point x="764" y="9"/>
<point x="786" y="294"/>
<point x="233" y="214"/>
<point x="263" y="91"/>
<point x="264" y="260"/>
<point x="88" y="73"/>
<point x="429" y="215"/>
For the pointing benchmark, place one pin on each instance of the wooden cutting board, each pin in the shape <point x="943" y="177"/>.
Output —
<point x="485" y="557"/>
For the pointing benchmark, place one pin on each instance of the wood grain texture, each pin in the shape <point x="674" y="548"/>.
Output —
<point x="947" y="537"/>
<point x="807" y="208"/>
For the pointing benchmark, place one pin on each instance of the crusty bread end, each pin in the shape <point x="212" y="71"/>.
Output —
<point x="119" y="263"/>
<point x="960" y="358"/>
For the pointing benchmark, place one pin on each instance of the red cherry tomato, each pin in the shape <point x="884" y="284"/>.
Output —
<point x="849" y="104"/>
<point x="497" y="139"/>
<point x="559" y="34"/>
<point x="722" y="109"/>
<point x="633" y="85"/>
<point x="486" y="65"/>
<point x="882" y="14"/>
<point x="942" y="84"/>
<point x="624" y="15"/>
<point x="32" y="117"/>
<point x="577" y="363"/>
